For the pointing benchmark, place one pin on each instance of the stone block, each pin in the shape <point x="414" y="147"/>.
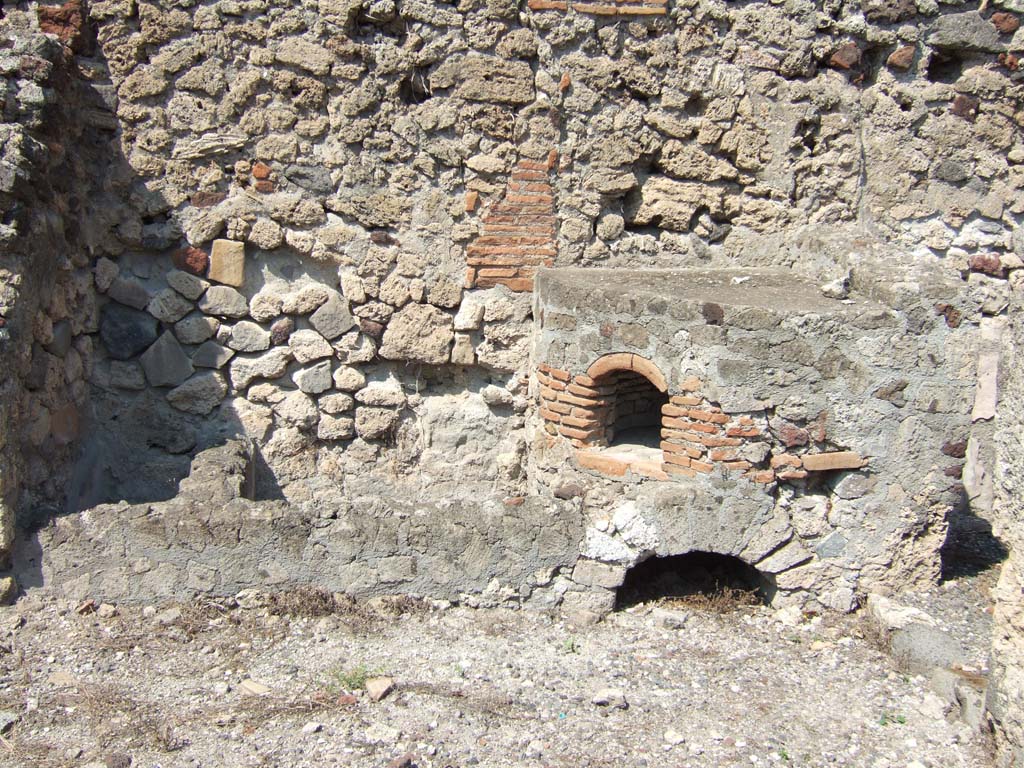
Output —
<point x="165" y="362"/>
<point x="199" y="394"/>
<point x="820" y="462"/>
<point x="227" y="262"/>
<point x="126" y="332"/>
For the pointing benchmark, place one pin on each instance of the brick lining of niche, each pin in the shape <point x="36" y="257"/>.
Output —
<point x="611" y="8"/>
<point x="696" y="434"/>
<point x="518" y="231"/>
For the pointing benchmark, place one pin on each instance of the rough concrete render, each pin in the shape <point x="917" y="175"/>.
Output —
<point x="368" y="294"/>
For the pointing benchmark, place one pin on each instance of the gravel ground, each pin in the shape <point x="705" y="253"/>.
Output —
<point x="242" y="685"/>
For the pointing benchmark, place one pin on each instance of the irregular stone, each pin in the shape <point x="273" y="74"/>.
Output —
<point x="463" y="352"/>
<point x="476" y="77"/>
<point x="306" y="55"/>
<point x="470" y="316"/>
<point x="336" y="428"/>
<point x="374" y="423"/>
<point x="195" y="329"/>
<point x="281" y="330"/>
<point x="104" y="274"/>
<point x="387" y="394"/>
<point x="247" y="336"/>
<point x="818" y="462"/>
<point x="199" y="394"/>
<point x="420" y="333"/>
<point x="968" y="31"/>
<point x="189" y="286"/>
<point x="902" y="58"/>
<point x="212" y="355"/>
<point x="266" y="234"/>
<point x="299" y="410"/>
<point x="223" y="301"/>
<point x="306" y="300"/>
<point x="349" y="379"/>
<point x="62" y="338"/>
<point x="250" y="687"/>
<point x="169" y="306"/>
<point x="165" y="362"/>
<point x="264" y="307"/>
<point x="336" y="403"/>
<point x="379" y="687"/>
<point x="308" y="345"/>
<point x="846" y="56"/>
<point x="126" y="332"/>
<point x="315" y="379"/>
<point x="269" y="365"/>
<point x="333" y="318"/>
<point x="227" y="262"/>
<point x="129" y="292"/>
<point x="191" y="260"/>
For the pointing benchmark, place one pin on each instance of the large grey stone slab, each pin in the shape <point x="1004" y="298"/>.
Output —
<point x="165" y="362"/>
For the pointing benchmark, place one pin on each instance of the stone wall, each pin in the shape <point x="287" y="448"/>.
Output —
<point x="55" y="152"/>
<point x="1006" y="691"/>
<point x="400" y="172"/>
<point x="319" y="228"/>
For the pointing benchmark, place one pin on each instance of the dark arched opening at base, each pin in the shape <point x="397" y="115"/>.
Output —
<point x="701" y="580"/>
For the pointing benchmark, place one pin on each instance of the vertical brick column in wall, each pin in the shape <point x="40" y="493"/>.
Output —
<point x="573" y="407"/>
<point x="697" y="436"/>
<point x="518" y="232"/>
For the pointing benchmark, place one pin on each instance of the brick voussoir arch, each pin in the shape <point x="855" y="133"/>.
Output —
<point x="627" y="361"/>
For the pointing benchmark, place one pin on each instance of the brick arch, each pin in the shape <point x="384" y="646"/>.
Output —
<point x="627" y="361"/>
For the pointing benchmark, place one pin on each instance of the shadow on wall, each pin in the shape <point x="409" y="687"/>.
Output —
<point x="132" y="443"/>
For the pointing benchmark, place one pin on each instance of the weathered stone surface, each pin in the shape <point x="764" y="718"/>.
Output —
<point x="199" y="394"/>
<point x="349" y="379"/>
<point x="189" y="286"/>
<point x="299" y="410"/>
<point x="269" y="365"/>
<point x="305" y="55"/>
<point x="126" y="332"/>
<point x="223" y="301"/>
<point x="247" y="336"/>
<point x="331" y="427"/>
<point x="227" y="262"/>
<point x="169" y="306"/>
<point x="418" y="333"/>
<point x="129" y="292"/>
<point x="968" y="31"/>
<point x="191" y="260"/>
<point x="196" y="328"/>
<point x="485" y="78"/>
<point x="212" y="355"/>
<point x="336" y="403"/>
<point x="385" y="393"/>
<point x="165" y="362"/>
<point x="264" y="306"/>
<point x="333" y="318"/>
<point x="314" y="379"/>
<point x="374" y="423"/>
<point x="308" y="345"/>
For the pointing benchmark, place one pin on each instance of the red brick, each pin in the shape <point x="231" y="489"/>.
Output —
<point x="688" y="400"/>
<point x="565" y="397"/>
<point x="701" y="466"/>
<point x="785" y="460"/>
<point x="561" y="375"/>
<point x="714" y="418"/>
<point x="576" y="389"/>
<point x="587" y="424"/>
<point x="603" y="464"/>
<point x="690" y="451"/>
<point x="561" y="408"/>
<point x="579" y="434"/>
<point x="722" y="454"/>
<point x="763" y="476"/>
<point x="677" y="459"/>
<point x="818" y="462"/>
<point x="737" y="465"/>
<point x="743" y="432"/>
<point x="549" y="415"/>
<point x="694" y="426"/>
<point x="792" y="474"/>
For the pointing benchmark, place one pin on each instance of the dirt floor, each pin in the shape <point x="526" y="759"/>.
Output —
<point x="254" y="682"/>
